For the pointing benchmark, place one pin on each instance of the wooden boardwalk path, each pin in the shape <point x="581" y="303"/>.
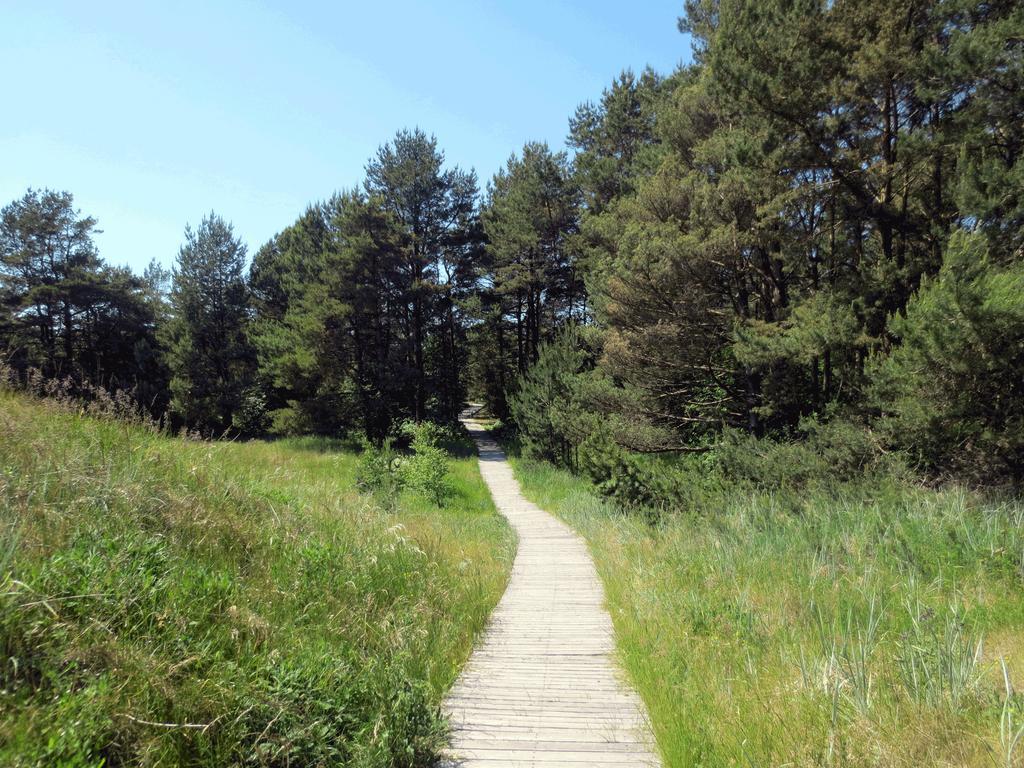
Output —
<point x="542" y="688"/>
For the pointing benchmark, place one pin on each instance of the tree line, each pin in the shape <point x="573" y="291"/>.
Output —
<point x="819" y="220"/>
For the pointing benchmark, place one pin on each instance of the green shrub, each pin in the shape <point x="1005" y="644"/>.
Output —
<point x="252" y="419"/>
<point x="384" y="471"/>
<point x="379" y="472"/>
<point x="820" y="454"/>
<point x="427" y="470"/>
<point x="427" y="434"/>
<point x="952" y="392"/>
<point x="631" y="479"/>
<point x="549" y="400"/>
<point x="289" y="421"/>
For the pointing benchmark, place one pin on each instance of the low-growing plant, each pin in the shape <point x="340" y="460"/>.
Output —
<point x="1011" y="721"/>
<point x="848" y="647"/>
<point x="825" y="454"/>
<point x="937" y="656"/>
<point x="427" y="470"/>
<point x="168" y="602"/>
<point x="77" y="396"/>
<point x="379" y="471"/>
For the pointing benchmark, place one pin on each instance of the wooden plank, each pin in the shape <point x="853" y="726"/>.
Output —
<point x="542" y="688"/>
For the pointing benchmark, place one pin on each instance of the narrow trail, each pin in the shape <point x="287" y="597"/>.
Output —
<point x="542" y="688"/>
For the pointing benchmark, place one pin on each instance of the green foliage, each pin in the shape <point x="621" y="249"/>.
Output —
<point x="820" y="324"/>
<point x="617" y="138"/>
<point x="380" y="472"/>
<point x="619" y="460"/>
<point x="210" y="356"/>
<point x="175" y="602"/>
<point x="67" y="314"/>
<point x="252" y="419"/>
<point x="436" y="209"/>
<point x="757" y="224"/>
<point x="857" y="623"/>
<point x="953" y="390"/>
<point x="359" y="304"/>
<point x="633" y="480"/>
<point x="530" y="220"/>
<point x="547" y="403"/>
<point x="327" y="347"/>
<point x="427" y="470"/>
<point x="820" y="455"/>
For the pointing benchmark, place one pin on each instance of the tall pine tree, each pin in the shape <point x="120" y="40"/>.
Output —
<point x="210" y="357"/>
<point x="436" y="207"/>
<point x="67" y="314"/>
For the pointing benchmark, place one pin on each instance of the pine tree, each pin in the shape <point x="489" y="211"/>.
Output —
<point x="437" y="209"/>
<point x="47" y="259"/>
<point x="616" y="139"/>
<point x="364" y="287"/>
<point x="531" y="218"/>
<point x="952" y="392"/>
<point x="800" y="183"/>
<point x="549" y="397"/>
<point x="210" y="357"/>
<point x="68" y="314"/>
<point x="331" y="296"/>
<point x="282" y="278"/>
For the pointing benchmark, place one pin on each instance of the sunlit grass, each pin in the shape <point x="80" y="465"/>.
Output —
<point x="175" y="602"/>
<point x="869" y="626"/>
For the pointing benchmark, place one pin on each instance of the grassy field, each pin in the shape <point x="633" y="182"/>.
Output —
<point x="879" y="625"/>
<point x="180" y="602"/>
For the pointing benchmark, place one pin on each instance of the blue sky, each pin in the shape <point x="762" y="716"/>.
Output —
<point x="153" y="114"/>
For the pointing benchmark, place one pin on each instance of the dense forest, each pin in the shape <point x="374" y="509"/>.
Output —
<point x="814" y="234"/>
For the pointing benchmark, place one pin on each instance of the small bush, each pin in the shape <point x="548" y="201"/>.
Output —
<point x="428" y="434"/>
<point x="386" y="472"/>
<point x="252" y="419"/>
<point x="822" y="455"/>
<point x="427" y="470"/>
<point x="379" y="472"/>
<point x="629" y="478"/>
<point x="549" y="404"/>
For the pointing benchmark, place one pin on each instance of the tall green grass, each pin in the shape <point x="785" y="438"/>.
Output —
<point x="866" y="624"/>
<point x="174" y="602"/>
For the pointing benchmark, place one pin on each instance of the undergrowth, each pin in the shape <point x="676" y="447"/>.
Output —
<point x="177" y="602"/>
